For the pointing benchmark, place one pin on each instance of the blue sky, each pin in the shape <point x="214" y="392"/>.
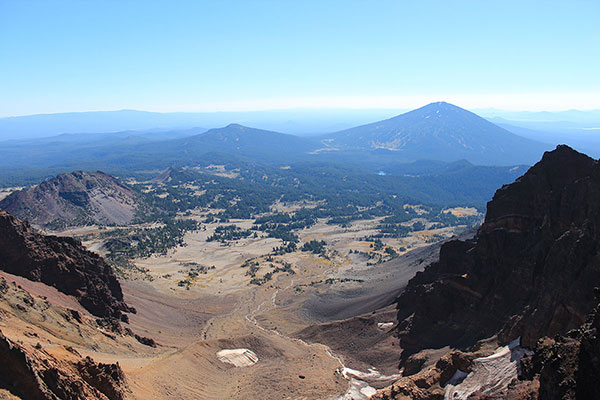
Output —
<point x="58" y="56"/>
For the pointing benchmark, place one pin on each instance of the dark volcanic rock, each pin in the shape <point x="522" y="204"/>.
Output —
<point x="63" y="263"/>
<point x="568" y="367"/>
<point x="529" y="272"/>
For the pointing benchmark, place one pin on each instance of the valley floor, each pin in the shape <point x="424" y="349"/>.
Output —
<point x="197" y="301"/>
<point x="220" y="311"/>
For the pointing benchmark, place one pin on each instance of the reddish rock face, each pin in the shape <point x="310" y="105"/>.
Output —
<point x="34" y="374"/>
<point x="529" y="272"/>
<point x="63" y="263"/>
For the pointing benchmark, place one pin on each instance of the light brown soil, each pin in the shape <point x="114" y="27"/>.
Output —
<point x="222" y="310"/>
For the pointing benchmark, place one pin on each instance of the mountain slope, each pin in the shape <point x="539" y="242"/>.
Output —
<point x="31" y="373"/>
<point x="233" y="141"/>
<point x="236" y="140"/>
<point x="74" y="199"/>
<point x="440" y="131"/>
<point x="62" y="263"/>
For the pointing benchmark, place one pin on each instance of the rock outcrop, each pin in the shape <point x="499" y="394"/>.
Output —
<point x="74" y="199"/>
<point x="32" y="373"/>
<point x="428" y="383"/>
<point x="529" y="272"/>
<point x="62" y="263"/>
<point x="568" y="367"/>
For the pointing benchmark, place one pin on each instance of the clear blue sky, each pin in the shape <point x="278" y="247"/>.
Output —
<point x="227" y="55"/>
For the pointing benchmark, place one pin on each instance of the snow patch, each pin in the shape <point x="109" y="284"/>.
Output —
<point x="237" y="357"/>
<point x="360" y="383"/>
<point x="457" y="378"/>
<point x="358" y="390"/>
<point x="385" y="325"/>
<point x="490" y="375"/>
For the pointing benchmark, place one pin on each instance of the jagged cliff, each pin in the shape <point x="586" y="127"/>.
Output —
<point x="37" y="360"/>
<point x="529" y="272"/>
<point x="568" y="366"/>
<point x="62" y="263"/>
<point x="32" y="373"/>
<point x="74" y="199"/>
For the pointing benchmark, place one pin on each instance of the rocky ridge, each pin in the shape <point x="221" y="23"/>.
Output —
<point x="36" y="348"/>
<point x="74" y="199"/>
<point x="63" y="263"/>
<point x="529" y="273"/>
<point x="32" y="373"/>
<point x="568" y="366"/>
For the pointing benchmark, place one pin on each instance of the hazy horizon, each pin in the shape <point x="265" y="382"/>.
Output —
<point x="298" y="121"/>
<point x="482" y="110"/>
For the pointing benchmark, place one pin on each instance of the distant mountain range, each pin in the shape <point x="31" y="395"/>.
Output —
<point x="301" y="121"/>
<point x="586" y="140"/>
<point x="438" y="131"/>
<point x="563" y="118"/>
<point x="295" y="121"/>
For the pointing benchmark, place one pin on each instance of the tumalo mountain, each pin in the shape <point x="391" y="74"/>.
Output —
<point x="439" y="131"/>
<point x="234" y="139"/>
<point x="529" y="273"/>
<point x="74" y="199"/>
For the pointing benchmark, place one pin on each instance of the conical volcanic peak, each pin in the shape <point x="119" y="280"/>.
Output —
<point x="442" y="131"/>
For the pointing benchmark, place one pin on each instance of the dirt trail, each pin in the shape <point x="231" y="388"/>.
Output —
<point x="286" y="367"/>
<point x="358" y="382"/>
<point x="199" y="323"/>
<point x="251" y="317"/>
